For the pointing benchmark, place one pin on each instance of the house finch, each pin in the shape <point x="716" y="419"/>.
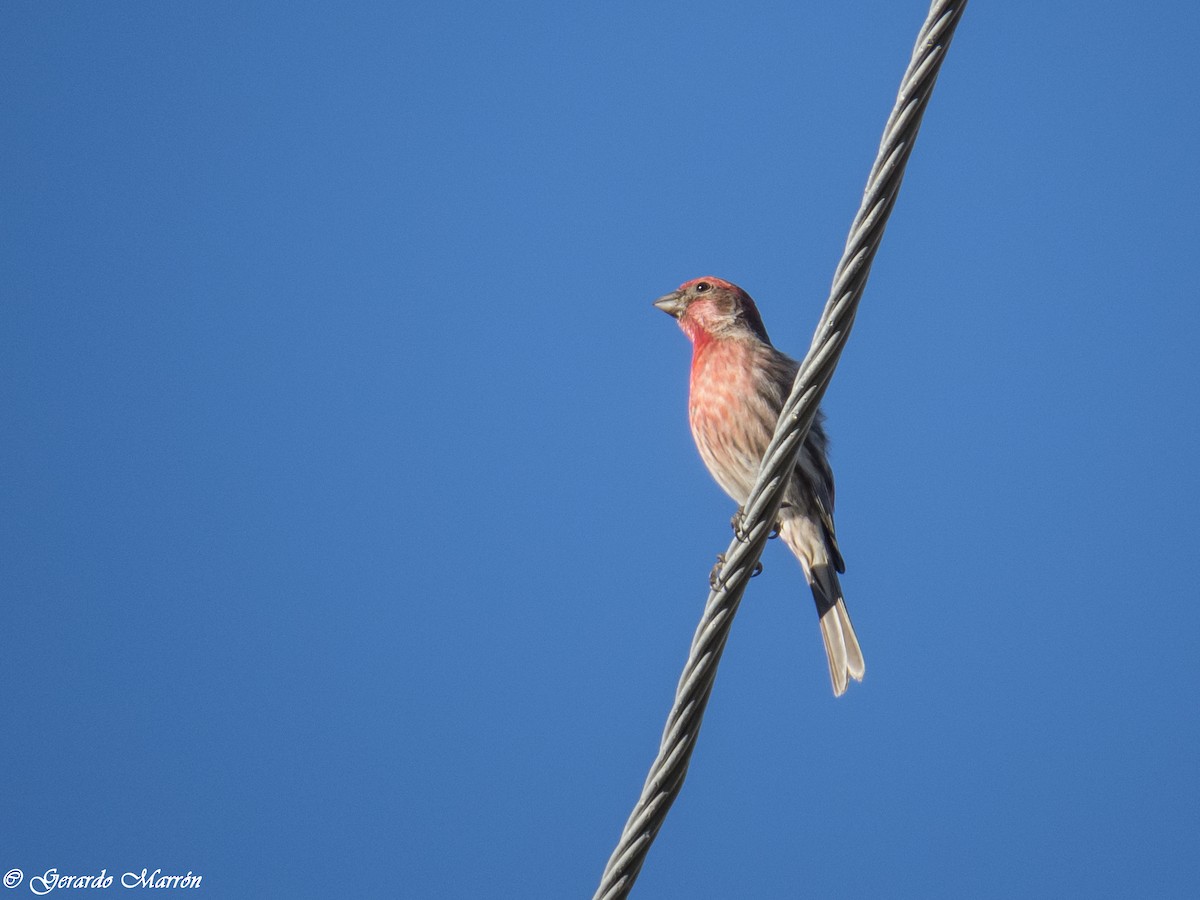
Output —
<point x="739" y="383"/>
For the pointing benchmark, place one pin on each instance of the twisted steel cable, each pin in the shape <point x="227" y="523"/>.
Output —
<point x="757" y="518"/>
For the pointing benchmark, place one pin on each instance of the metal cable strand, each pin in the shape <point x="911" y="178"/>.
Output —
<point x="758" y="516"/>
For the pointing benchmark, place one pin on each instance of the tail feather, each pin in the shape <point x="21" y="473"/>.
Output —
<point x="841" y="643"/>
<point x="807" y="542"/>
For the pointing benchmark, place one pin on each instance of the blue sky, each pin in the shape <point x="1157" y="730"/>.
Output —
<point x="353" y="536"/>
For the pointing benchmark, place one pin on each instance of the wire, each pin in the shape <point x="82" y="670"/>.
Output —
<point x="762" y="506"/>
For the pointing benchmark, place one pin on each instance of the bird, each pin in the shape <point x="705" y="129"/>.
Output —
<point x="739" y="383"/>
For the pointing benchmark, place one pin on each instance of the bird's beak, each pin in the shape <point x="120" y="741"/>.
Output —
<point x="672" y="304"/>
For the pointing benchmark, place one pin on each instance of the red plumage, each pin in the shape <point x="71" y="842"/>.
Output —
<point x="739" y="382"/>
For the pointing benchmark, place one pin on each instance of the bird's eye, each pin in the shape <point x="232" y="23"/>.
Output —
<point x="703" y="287"/>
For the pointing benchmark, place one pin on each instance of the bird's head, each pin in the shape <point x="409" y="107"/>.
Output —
<point x="713" y="309"/>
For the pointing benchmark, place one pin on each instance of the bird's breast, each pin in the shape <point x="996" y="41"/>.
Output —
<point x="730" y="416"/>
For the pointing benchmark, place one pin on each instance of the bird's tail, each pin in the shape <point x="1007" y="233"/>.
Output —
<point x="841" y="643"/>
<point x="813" y="545"/>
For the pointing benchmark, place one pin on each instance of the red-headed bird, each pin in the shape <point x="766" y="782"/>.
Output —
<point x="738" y="386"/>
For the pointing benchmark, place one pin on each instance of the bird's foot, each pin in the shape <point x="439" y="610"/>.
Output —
<point x="716" y="581"/>
<point x="714" y="577"/>
<point x="738" y="523"/>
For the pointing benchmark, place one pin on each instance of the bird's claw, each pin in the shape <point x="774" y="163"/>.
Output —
<point x="714" y="577"/>
<point x="774" y="532"/>
<point x="737" y="523"/>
